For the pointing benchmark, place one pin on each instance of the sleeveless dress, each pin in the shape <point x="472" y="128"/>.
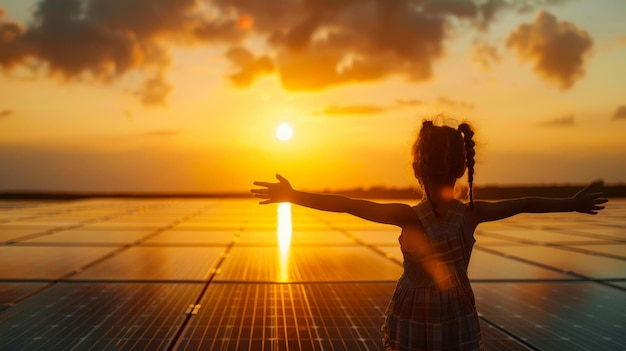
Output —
<point x="433" y="305"/>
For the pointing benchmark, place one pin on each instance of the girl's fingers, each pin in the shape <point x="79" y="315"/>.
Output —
<point x="591" y="185"/>
<point x="585" y="189"/>
<point x="265" y="184"/>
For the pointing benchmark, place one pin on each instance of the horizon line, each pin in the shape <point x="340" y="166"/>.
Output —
<point x="617" y="189"/>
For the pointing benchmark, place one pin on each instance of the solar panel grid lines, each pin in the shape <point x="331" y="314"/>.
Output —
<point x="75" y="271"/>
<point x="86" y="316"/>
<point x="328" y="293"/>
<point x="558" y="313"/>
<point x="289" y="316"/>
<point x="575" y="264"/>
<point x="209" y="279"/>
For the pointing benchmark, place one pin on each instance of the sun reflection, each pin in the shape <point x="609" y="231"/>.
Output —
<point x="284" y="239"/>
<point x="284" y="226"/>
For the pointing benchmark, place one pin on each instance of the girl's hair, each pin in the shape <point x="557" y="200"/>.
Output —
<point x="441" y="154"/>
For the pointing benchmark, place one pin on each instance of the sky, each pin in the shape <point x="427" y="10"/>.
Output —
<point x="186" y="95"/>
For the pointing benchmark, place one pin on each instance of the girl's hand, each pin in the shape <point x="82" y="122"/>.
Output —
<point x="587" y="202"/>
<point x="274" y="192"/>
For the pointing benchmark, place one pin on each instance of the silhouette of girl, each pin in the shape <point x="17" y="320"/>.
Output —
<point x="433" y="306"/>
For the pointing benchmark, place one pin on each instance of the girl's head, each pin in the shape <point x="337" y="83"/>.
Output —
<point x="441" y="153"/>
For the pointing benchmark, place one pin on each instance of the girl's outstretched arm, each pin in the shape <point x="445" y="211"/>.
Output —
<point x="391" y="213"/>
<point x="584" y="202"/>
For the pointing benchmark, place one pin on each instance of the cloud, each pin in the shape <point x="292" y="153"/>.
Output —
<point x="310" y="45"/>
<point x="154" y="91"/>
<point x="354" y="110"/>
<point x="620" y="112"/>
<point x="250" y="68"/>
<point x="485" y="55"/>
<point x="442" y="100"/>
<point x="72" y="46"/>
<point x="6" y="113"/>
<point x="365" y="109"/>
<point x="400" y="39"/>
<point x="557" y="48"/>
<point x="102" y="40"/>
<point x="409" y="102"/>
<point x="564" y="121"/>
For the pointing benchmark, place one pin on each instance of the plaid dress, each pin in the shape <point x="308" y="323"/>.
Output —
<point x="433" y="306"/>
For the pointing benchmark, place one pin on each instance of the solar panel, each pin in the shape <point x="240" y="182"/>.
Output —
<point x="556" y="316"/>
<point x="171" y="274"/>
<point x="97" y="316"/>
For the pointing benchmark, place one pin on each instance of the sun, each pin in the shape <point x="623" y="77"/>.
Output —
<point x="284" y="132"/>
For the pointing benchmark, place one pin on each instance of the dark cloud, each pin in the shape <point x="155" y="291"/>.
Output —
<point x="72" y="45"/>
<point x="564" y="121"/>
<point x="398" y="40"/>
<point x="354" y="110"/>
<point x="442" y="100"/>
<point x="322" y="44"/>
<point x="101" y="40"/>
<point x="620" y="112"/>
<point x="12" y="50"/>
<point x="314" y="45"/>
<point x="557" y="48"/>
<point x="6" y="113"/>
<point x="485" y="55"/>
<point x="154" y="91"/>
<point x="250" y="67"/>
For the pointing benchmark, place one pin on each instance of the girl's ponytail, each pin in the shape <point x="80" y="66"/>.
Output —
<point x="468" y="134"/>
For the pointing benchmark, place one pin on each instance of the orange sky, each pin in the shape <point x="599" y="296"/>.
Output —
<point x="163" y="95"/>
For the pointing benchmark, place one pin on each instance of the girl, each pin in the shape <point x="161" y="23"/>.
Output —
<point x="433" y="307"/>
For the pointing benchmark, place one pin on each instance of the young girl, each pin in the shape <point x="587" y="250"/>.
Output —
<point x="433" y="307"/>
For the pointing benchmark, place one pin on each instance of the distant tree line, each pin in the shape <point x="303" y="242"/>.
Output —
<point x="377" y="192"/>
<point x="486" y="192"/>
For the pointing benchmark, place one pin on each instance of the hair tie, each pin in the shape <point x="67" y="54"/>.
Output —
<point x="466" y="130"/>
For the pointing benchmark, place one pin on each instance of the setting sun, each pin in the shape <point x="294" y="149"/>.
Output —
<point x="284" y="132"/>
<point x="223" y="92"/>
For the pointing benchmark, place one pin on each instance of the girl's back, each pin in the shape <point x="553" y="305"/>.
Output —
<point x="433" y="306"/>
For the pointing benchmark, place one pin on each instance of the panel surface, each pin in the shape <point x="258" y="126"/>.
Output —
<point x="156" y="263"/>
<point x="344" y="263"/>
<point x="98" y="317"/>
<point x="578" y="263"/>
<point x="129" y="274"/>
<point x="557" y="316"/>
<point x="21" y="262"/>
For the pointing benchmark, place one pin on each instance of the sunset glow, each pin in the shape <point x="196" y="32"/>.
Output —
<point x="187" y="97"/>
